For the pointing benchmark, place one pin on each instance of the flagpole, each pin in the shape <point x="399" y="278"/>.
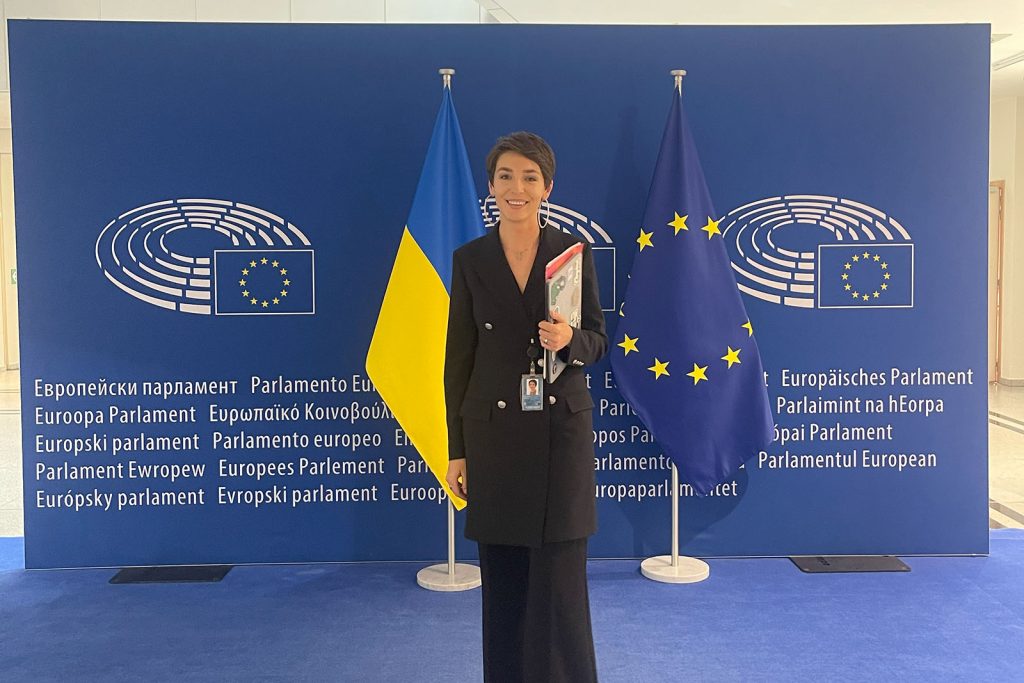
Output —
<point x="446" y="77"/>
<point x="675" y="516"/>
<point x="674" y="568"/>
<point x="452" y="576"/>
<point x="678" y="75"/>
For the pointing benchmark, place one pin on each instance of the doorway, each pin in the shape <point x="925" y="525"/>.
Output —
<point x="996" y="203"/>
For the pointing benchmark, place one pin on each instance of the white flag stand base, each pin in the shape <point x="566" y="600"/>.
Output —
<point x="673" y="568"/>
<point x="438" y="578"/>
<point x="451" y="576"/>
<point x="687" y="569"/>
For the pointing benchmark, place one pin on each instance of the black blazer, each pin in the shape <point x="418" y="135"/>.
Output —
<point x="530" y="474"/>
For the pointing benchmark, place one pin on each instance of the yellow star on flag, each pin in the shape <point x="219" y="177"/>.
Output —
<point x="644" y="240"/>
<point x="749" y="328"/>
<point x="264" y="303"/>
<point x="628" y="344"/>
<point x="287" y="282"/>
<point x="284" y="271"/>
<point x="245" y="271"/>
<point x="274" y="263"/>
<point x="276" y="300"/>
<point x="252" y="301"/>
<point x="698" y="374"/>
<point x="732" y="356"/>
<point x="621" y="314"/>
<point x="856" y="258"/>
<point x="866" y="254"/>
<point x="846" y="276"/>
<point x="263" y="261"/>
<point x="659" y="368"/>
<point x="678" y="223"/>
<point x="245" y="294"/>
<point x="252" y="264"/>
<point x="712" y="228"/>
<point x="242" y="282"/>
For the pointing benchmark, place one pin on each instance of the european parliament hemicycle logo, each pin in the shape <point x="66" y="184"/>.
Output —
<point x="573" y="222"/>
<point x="814" y="251"/>
<point x="209" y="257"/>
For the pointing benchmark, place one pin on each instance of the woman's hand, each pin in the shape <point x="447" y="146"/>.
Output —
<point x="554" y="336"/>
<point x="456" y="478"/>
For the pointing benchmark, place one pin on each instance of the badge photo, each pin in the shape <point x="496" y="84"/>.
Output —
<point x="531" y="391"/>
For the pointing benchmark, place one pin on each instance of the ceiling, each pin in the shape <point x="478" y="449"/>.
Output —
<point x="1005" y="16"/>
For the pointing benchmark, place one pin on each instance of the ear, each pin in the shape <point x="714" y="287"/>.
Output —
<point x="490" y="187"/>
<point x="551" y="186"/>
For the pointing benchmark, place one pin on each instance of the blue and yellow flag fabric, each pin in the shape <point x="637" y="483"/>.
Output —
<point x="686" y="358"/>
<point x="406" y="356"/>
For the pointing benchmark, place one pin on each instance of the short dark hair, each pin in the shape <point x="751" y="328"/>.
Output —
<point x="531" y="146"/>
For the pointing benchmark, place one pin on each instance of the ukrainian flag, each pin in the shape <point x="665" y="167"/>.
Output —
<point x="406" y="356"/>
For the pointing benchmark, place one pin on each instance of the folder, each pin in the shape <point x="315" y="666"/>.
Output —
<point x="563" y="285"/>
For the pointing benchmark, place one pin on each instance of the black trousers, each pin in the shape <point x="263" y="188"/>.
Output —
<point x="536" y="614"/>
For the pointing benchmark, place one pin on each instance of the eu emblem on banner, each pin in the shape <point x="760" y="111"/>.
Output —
<point x="263" y="281"/>
<point x="865" y="275"/>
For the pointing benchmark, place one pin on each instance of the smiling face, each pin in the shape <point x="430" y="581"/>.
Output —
<point x="518" y="188"/>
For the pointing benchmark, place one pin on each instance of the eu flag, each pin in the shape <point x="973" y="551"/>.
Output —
<point x="865" y="275"/>
<point x="686" y="359"/>
<point x="263" y="281"/>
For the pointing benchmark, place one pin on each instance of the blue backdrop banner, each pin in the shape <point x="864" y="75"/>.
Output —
<point x="208" y="215"/>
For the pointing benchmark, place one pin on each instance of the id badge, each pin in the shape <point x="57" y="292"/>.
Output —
<point x="531" y="391"/>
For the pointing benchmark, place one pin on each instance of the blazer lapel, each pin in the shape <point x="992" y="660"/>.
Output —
<point x="497" y="277"/>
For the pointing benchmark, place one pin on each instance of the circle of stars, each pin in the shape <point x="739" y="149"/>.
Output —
<point x="865" y="258"/>
<point x="250" y="269"/>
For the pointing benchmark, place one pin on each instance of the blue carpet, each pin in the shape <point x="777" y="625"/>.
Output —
<point x="948" y="619"/>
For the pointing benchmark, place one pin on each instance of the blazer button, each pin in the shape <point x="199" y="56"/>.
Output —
<point x="552" y="400"/>
<point x="488" y="326"/>
<point x="501" y="404"/>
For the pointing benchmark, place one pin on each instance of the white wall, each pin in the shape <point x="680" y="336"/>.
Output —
<point x="1015" y="225"/>
<point x="9" y="356"/>
<point x="8" y="291"/>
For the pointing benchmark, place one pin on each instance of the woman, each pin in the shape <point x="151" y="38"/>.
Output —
<point x="530" y="463"/>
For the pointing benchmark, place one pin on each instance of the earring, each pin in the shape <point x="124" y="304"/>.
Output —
<point x="547" y="214"/>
